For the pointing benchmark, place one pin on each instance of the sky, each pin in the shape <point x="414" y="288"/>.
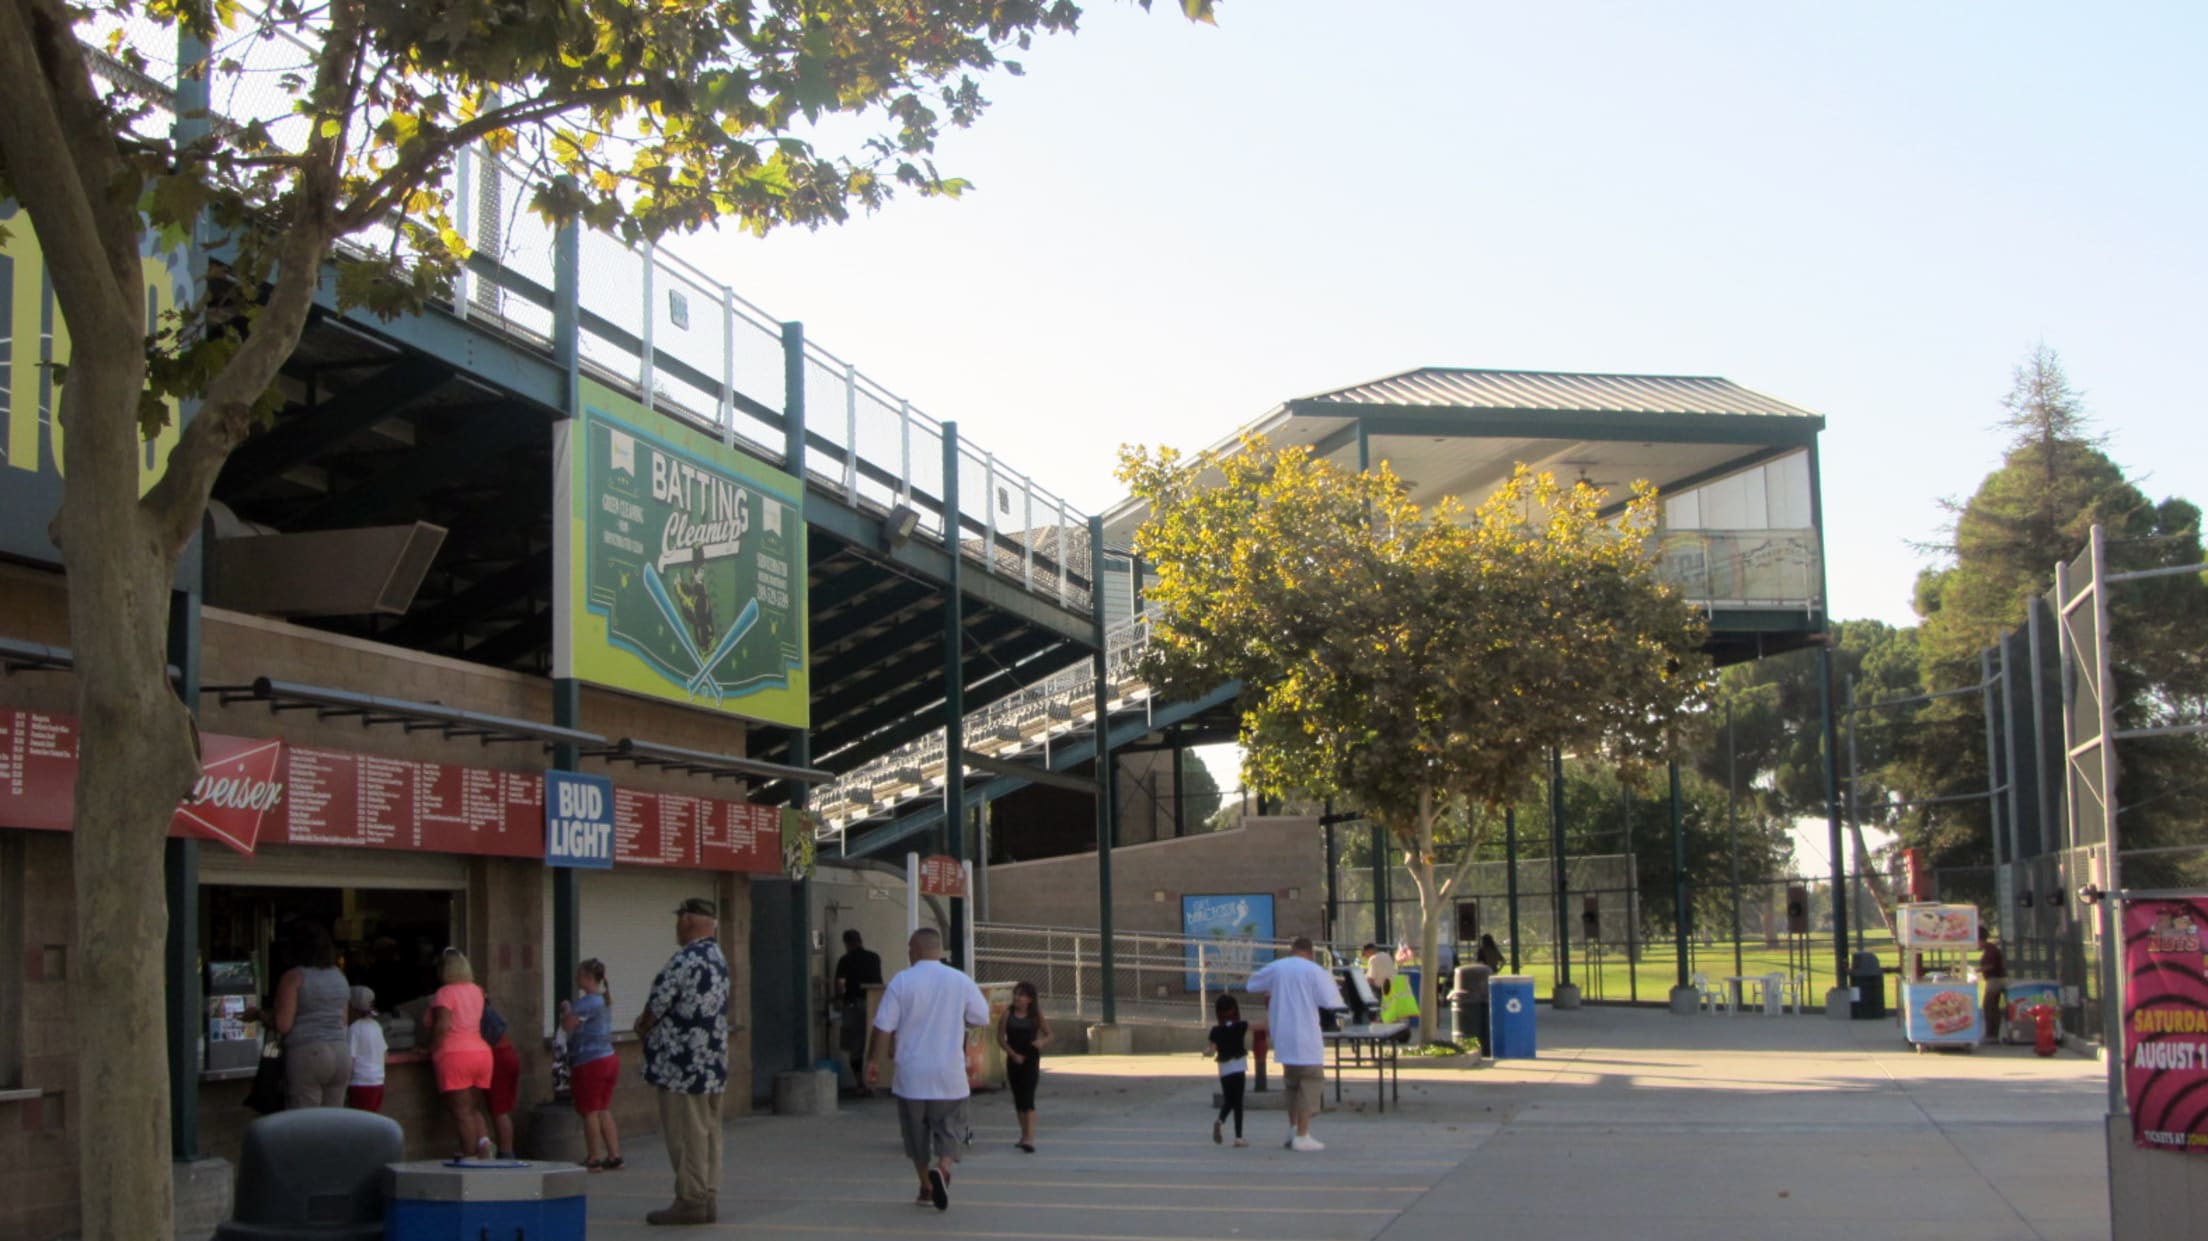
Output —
<point x="1869" y="210"/>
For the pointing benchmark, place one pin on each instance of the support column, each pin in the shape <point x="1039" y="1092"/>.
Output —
<point x="1333" y="871"/>
<point x="954" y="685"/>
<point x="1839" y="993"/>
<point x="1683" y="997"/>
<point x="801" y="999"/>
<point x="567" y="697"/>
<point x="1180" y="802"/>
<point x="567" y="893"/>
<point x="1732" y="827"/>
<point x="1994" y="780"/>
<point x="1379" y="884"/>
<point x="1510" y="878"/>
<point x="1565" y="995"/>
<point x="180" y="867"/>
<point x="181" y="873"/>
<point x="1107" y="957"/>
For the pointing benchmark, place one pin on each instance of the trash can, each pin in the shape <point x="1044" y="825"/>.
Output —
<point x="1510" y="1017"/>
<point x="1868" y="979"/>
<point x="314" y="1174"/>
<point x="466" y="1201"/>
<point x="1468" y="1005"/>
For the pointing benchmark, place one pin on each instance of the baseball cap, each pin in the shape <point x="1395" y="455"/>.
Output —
<point x="699" y="907"/>
<point x="364" y="999"/>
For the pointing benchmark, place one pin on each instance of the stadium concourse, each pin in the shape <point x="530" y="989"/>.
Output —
<point x="1631" y="1123"/>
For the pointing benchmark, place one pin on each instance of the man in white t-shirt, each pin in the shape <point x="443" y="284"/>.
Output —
<point x="1298" y="988"/>
<point x="924" y="1013"/>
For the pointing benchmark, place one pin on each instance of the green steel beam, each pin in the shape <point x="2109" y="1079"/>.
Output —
<point x="1063" y="757"/>
<point x="1105" y="817"/>
<point x="180" y="870"/>
<point x="1678" y="878"/>
<point x="954" y="695"/>
<point x="1666" y="428"/>
<point x="1557" y="862"/>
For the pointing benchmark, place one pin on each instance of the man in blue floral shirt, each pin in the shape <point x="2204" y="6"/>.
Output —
<point x="684" y="1026"/>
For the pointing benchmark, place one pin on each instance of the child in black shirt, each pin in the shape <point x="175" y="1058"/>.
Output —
<point x="1228" y="1047"/>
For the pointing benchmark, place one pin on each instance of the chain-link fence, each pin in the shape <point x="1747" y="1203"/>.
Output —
<point x="1154" y="977"/>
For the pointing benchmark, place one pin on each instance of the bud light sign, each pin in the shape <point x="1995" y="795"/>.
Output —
<point x="578" y="820"/>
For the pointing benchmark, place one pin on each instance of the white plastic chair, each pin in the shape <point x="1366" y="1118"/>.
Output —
<point x="1774" y="994"/>
<point x="1708" y="999"/>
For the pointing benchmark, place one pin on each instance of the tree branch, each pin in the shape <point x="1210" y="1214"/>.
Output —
<point x="225" y="417"/>
<point x="383" y="194"/>
<point x="62" y="169"/>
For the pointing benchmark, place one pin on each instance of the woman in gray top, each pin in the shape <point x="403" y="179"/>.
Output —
<point x="310" y="1015"/>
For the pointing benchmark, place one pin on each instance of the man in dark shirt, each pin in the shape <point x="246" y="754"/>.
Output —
<point x="1993" y="973"/>
<point x="855" y="972"/>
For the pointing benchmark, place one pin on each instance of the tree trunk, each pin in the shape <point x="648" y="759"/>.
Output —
<point x="1883" y="897"/>
<point x="1421" y="865"/>
<point x="138" y="760"/>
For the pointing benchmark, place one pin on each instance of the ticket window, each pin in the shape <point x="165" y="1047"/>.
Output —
<point x="388" y="939"/>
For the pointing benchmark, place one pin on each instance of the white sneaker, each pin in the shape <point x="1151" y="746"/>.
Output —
<point x="1306" y="1144"/>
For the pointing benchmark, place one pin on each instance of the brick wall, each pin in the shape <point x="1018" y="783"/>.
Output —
<point x="38" y="1152"/>
<point x="1283" y="856"/>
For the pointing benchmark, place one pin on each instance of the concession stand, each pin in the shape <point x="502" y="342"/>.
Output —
<point x="1939" y="999"/>
<point x="399" y="858"/>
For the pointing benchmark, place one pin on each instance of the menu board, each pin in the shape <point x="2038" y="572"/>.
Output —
<point x="313" y="795"/>
<point x="336" y="797"/>
<point x="739" y="836"/>
<point x="38" y="770"/>
<point x="704" y="833"/>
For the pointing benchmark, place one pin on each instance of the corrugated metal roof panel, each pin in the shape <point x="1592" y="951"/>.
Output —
<point x="1454" y="388"/>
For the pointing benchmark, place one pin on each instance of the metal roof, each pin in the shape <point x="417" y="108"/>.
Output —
<point x="1442" y="387"/>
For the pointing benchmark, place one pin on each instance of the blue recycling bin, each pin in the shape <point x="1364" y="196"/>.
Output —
<point x="432" y="1201"/>
<point x="1510" y="1017"/>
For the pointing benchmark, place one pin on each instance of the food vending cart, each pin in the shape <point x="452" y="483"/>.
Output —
<point x="1939" y="997"/>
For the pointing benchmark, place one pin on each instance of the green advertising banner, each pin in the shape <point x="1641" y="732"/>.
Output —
<point x="681" y="570"/>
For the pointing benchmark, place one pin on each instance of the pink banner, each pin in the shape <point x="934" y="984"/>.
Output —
<point x="2166" y="1024"/>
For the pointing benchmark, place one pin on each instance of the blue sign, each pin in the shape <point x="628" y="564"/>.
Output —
<point x="1235" y="933"/>
<point x="578" y="820"/>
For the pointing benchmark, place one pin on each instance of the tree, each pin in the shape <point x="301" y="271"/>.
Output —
<point x="2054" y="484"/>
<point x="1779" y="763"/>
<point x="637" y="118"/>
<point x="1414" y="662"/>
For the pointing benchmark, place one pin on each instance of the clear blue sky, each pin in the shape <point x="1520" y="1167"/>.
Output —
<point x="1872" y="210"/>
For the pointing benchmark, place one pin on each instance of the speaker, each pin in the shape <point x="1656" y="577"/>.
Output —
<point x="1468" y="922"/>
<point x="1797" y="909"/>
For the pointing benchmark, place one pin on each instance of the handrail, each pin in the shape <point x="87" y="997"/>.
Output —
<point x="1021" y="722"/>
<point x="690" y="346"/>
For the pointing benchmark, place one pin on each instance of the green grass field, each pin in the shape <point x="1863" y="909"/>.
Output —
<point x="1614" y="978"/>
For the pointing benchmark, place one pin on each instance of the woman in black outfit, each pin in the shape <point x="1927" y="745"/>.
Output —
<point x="1023" y="1034"/>
<point x="1228" y="1047"/>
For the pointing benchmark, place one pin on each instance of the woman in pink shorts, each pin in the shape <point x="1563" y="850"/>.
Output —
<point x="458" y="1052"/>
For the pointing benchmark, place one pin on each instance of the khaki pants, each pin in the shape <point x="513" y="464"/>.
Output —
<point x="315" y="1074"/>
<point x="691" y="1125"/>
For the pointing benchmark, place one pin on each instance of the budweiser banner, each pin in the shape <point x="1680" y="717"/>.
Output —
<point x="2166" y="1024"/>
<point x="240" y="781"/>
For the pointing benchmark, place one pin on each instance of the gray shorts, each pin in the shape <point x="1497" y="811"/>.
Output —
<point x="932" y="1128"/>
<point x="1306" y="1087"/>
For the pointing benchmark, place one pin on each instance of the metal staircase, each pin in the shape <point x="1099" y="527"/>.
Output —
<point x="1029" y="725"/>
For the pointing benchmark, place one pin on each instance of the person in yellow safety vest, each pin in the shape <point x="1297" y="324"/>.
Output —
<point x="1399" y="1001"/>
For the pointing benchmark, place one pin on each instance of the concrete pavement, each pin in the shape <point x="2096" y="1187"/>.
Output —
<point x="1631" y="1124"/>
